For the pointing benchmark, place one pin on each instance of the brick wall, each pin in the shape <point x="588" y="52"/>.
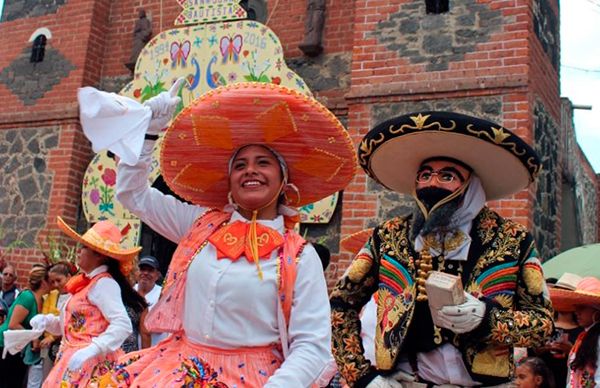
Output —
<point x="39" y="102"/>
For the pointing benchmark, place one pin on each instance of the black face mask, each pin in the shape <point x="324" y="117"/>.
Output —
<point x="430" y="196"/>
<point x="440" y="218"/>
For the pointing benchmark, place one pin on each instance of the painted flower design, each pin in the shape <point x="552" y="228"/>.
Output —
<point x="232" y="77"/>
<point x="109" y="177"/>
<point x="95" y="196"/>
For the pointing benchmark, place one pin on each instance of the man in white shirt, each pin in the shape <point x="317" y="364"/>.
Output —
<point x="147" y="287"/>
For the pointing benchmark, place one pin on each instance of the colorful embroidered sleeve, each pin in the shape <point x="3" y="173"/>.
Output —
<point x="528" y="323"/>
<point x="350" y="294"/>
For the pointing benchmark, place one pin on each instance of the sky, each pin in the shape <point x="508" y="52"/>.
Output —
<point x="580" y="70"/>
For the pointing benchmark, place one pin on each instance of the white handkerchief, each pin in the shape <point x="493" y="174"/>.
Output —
<point x="16" y="340"/>
<point x="113" y="122"/>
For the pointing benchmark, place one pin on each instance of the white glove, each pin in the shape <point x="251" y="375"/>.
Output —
<point x="462" y="318"/>
<point x="41" y="321"/>
<point x="384" y="382"/>
<point x="82" y="355"/>
<point x="163" y="106"/>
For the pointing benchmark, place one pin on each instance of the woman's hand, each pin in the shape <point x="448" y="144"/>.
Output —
<point x="163" y="106"/>
<point x="46" y="342"/>
<point x="35" y="345"/>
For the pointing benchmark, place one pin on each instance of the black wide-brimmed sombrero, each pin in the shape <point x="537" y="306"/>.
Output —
<point x="392" y="152"/>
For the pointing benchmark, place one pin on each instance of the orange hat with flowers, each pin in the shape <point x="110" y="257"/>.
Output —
<point x="585" y="293"/>
<point x="104" y="237"/>
<point x="199" y="143"/>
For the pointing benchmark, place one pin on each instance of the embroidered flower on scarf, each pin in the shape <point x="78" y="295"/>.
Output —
<point x="337" y="318"/>
<point x="352" y="344"/>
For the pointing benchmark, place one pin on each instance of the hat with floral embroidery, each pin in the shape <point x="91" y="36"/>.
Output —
<point x="198" y="145"/>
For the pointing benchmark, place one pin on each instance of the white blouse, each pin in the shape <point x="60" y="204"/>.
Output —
<point x="226" y="304"/>
<point x="106" y="295"/>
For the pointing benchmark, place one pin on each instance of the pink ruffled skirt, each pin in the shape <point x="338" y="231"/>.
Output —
<point x="178" y="362"/>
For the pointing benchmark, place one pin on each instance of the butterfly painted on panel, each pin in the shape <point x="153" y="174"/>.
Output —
<point x="180" y="53"/>
<point x="231" y="48"/>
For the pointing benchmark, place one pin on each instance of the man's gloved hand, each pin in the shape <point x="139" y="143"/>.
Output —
<point x="462" y="318"/>
<point x="384" y="382"/>
<point x="163" y="106"/>
<point x="41" y="321"/>
<point x="82" y="355"/>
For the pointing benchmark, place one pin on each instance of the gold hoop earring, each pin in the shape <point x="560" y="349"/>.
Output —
<point x="231" y="201"/>
<point x="286" y="200"/>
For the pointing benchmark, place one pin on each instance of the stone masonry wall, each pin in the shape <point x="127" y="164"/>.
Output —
<point x="580" y="177"/>
<point x="25" y="182"/>
<point x="546" y="216"/>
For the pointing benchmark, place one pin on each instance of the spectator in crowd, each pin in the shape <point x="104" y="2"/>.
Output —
<point x="149" y="273"/>
<point x="27" y="304"/>
<point x="58" y="274"/>
<point x="9" y="291"/>
<point x="584" y="298"/>
<point x="533" y="373"/>
<point x="3" y="310"/>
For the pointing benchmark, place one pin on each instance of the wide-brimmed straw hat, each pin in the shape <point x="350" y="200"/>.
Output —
<point x="392" y="151"/>
<point x="586" y="293"/>
<point x="104" y="237"/>
<point x="201" y="140"/>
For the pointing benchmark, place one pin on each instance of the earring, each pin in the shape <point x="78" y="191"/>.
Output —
<point x="231" y="202"/>
<point x="287" y="200"/>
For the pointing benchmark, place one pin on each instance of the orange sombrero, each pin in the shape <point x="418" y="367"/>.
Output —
<point x="356" y="241"/>
<point x="199" y="143"/>
<point x="586" y="293"/>
<point x="104" y="237"/>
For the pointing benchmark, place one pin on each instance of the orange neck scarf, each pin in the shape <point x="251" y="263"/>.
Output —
<point x="77" y="283"/>
<point x="235" y="239"/>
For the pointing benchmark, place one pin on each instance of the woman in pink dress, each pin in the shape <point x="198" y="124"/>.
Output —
<point x="95" y="322"/>
<point x="245" y="297"/>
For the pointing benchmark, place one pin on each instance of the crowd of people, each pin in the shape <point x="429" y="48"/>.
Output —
<point x="244" y="301"/>
<point x="46" y="293"/>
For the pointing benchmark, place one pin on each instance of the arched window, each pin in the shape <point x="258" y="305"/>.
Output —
<point x="437" y="6"/>
<point x="38" y="49"/>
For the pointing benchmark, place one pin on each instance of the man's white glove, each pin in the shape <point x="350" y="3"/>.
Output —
<point x="42" y="321"/>
<point x="384" y="382"/>
<point x="82" y="355"/>
<point x="163" y="106"/>
<point x="462" y="318"/>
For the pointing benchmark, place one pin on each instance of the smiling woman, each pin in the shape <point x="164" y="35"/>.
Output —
<point x="269" y="148"/>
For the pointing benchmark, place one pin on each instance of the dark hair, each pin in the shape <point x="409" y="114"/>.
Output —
<point x="130" y="296"/>
<point x="323" y="253"/>
<point x="539" y="368"/>
<point x="587" y="354"/>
